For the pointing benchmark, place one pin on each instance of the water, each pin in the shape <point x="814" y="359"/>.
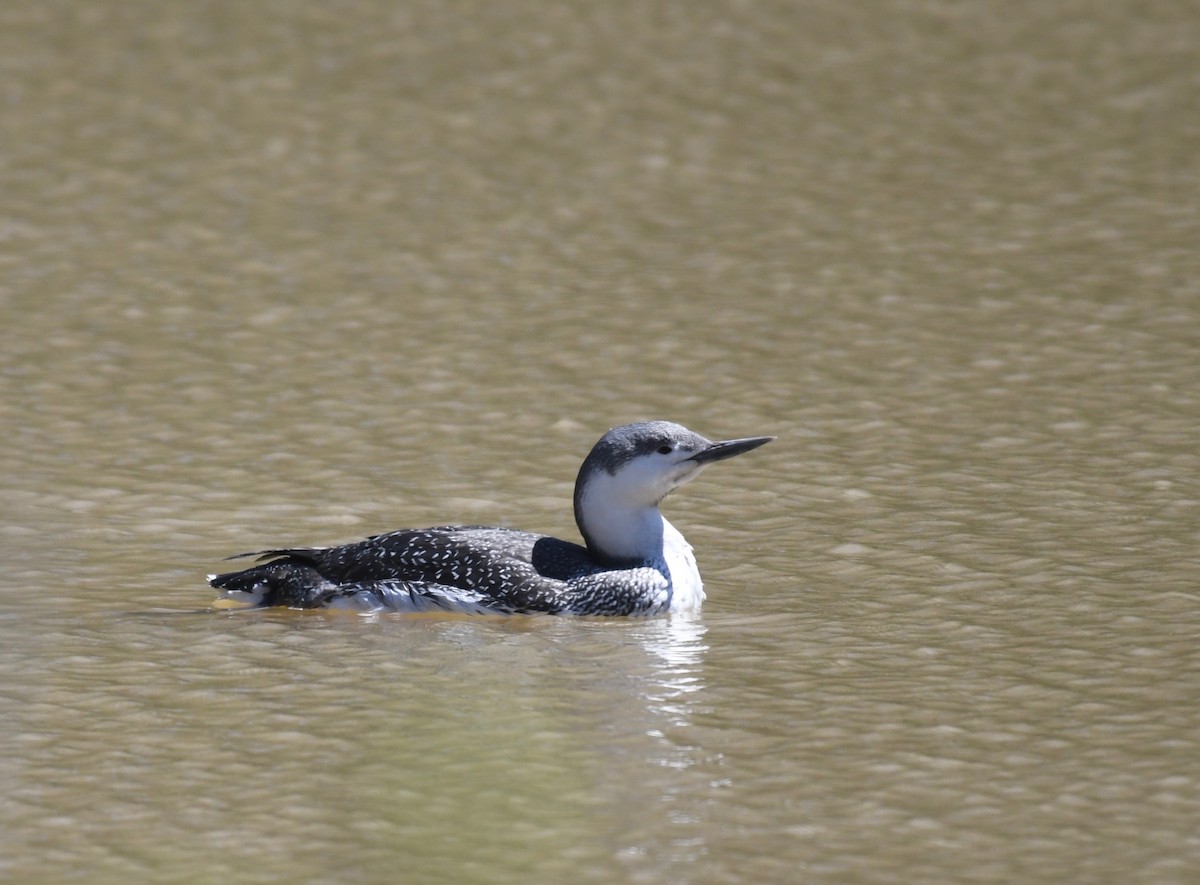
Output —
<point x="302" y="273"/>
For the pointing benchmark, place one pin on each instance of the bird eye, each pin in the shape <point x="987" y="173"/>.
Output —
<point x="665" y="449"/>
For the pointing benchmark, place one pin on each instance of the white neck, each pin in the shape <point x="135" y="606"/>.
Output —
<point x="618" y="512"/>
<point x="617" y="529"/>
<point x="623" y="532"/>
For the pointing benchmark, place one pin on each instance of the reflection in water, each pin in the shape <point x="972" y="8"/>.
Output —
<point x="678" y="643"/>
<point x="673" y="695"/>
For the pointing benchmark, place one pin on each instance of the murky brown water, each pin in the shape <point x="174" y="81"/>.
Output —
<point x="302" y="272"/>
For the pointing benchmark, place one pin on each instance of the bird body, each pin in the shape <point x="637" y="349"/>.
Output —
<point x="634" y="562"/>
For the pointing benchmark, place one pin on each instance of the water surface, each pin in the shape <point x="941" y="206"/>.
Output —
<point x="299" y="273"/>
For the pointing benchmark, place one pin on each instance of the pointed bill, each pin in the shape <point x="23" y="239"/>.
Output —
<point x="727" y="448"/>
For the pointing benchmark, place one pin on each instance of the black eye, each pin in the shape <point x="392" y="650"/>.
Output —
<point x="666" y="449"/>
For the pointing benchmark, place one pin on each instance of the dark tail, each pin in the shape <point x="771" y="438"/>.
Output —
<point x="292" y="578"/>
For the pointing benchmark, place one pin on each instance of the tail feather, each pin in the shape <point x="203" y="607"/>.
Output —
<point x="308" y="554"/>
<point x="290" y="579"/>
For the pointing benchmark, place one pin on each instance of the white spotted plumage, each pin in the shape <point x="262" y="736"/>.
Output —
<point x="634" y="561"/>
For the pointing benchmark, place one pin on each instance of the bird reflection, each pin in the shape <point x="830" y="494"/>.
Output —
<point x="678" y="644"/>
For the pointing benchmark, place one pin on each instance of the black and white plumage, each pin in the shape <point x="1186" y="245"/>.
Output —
<point x="634" y="561"/>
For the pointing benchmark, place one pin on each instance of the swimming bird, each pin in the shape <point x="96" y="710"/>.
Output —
<point x="632" y="562"/>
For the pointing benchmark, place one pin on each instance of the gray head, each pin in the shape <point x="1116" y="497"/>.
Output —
<point x="635" y="466"/>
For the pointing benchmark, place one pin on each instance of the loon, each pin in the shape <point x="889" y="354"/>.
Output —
<point x="634" y="561"/>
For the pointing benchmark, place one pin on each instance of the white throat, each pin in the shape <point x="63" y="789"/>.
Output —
<point x="618" y="529"/>
<point x="625" y="532"/>
<point x="618" y="512"/>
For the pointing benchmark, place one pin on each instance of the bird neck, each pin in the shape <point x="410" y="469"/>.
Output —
<point x="617" y="530"/>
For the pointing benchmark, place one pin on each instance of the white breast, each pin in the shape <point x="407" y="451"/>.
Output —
<point x="687" y="590"/>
